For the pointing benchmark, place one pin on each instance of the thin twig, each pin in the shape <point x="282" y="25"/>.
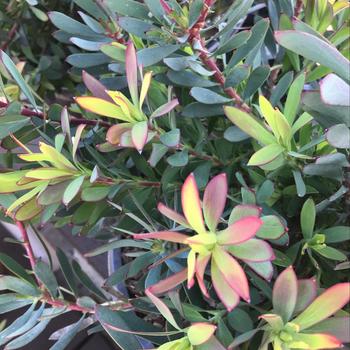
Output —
<point x="10" y="36"/>
<point x="27" y="112"/>
<point x="210" y="63"/>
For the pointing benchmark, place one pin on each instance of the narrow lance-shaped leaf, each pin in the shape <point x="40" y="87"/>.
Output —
<point x="293" y="98"/>
<point x="46" y="276"/>
<point x="191" y="204"/>
<point x="266" y="154"/>
<point x="249" y="125"/>
<point x="145" y="86"/>
<point x="131" y="72"/>
<point x="285" y="293"/>
<point x="214" y="200"/>
<point x="328" y="303"/>
<point x="307" y="218"/>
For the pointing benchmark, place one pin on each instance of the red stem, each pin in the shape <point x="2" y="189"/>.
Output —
<point x="10" y="36"/>
<point x="74" y="120"/>
<point x="210" y="62"/>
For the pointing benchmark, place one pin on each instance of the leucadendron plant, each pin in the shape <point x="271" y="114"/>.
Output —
<point x="302" y="320"/>
<point x="219" y="247"/>
<point x="198" y="152"/>
<point x="137" y="128"/>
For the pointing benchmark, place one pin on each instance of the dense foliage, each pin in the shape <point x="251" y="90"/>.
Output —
<point x="205" y="144"/>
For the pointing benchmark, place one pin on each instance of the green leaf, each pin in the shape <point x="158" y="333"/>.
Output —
<point x="16" y="75"/>
<point x="299" y="183"/>
<point x="16" y="268"/>
<point x="266" y="154"/>
<point x="128" y="8"/>
<point x="207" y="96"/>
<point x="155" y="8"/>
<point x="152" y="55"/>
<point x="86" y="60"/>
<point x="12" y="123"/>
<point x="281" y="88"/>
<point x="67" y="271"/>
<point x="46" y="276"/>
<point x="315" y="49"/>
<point x="307" y="218"/>
<point x="329" y="252"/>
<point x="237" y="75"/>
<point x="86" y="281"/>
<point x="201" y="110"/>
<point x="240" y="320"/>
<point x="68" y="336"/>
<point x="337" y="234"/>
<point x="29" y="336"/>
<point x="249" y="125"/>
<point x="256" y="80"/>
<point x="233" y="43"/>
<point x="235" y="134"/>
<point x="171" y="138"/>
<point x="293" y="98"/>
<point x="94" y="194"/>
<point x="195" y="11"/>
<point x="73" y="189"/>
<point x="187" y="78"/>
<point x="14" y="305"/>
<point x="17" y="285"/>
<point x="179" y="159"/>
<point x="271" y="228"/>
<point x="120" y="243"/>
<point x="335" y="91"/>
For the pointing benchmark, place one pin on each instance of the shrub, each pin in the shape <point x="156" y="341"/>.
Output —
<point x="203" y="143"/>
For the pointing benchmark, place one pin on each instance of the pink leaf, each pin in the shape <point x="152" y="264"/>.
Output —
<point x="284" y="295"/>
<point x="166" y="108"/>
<point x="95" y="87"/>
<point x="232" y="272"/>
<point x="224" y="291"/>
<point x="327" y="304"/>
<point x="191" y="268"/>
<point x="173" y="215"/>
<point x="191" y="204"/>
<point x="163" y="235"/>
<point x="214" y="200"/>
<point x="240" y="231"/>
<point x="254" y="250"/>
<point x="307" y="291"/>
<point x="131" y="72"/>
<point x="115" y="132"/>
<point x="163" y="309"/>
<point x="168" y="283"/>
<point x="201" y="264"/>
<point x="139" y="134"/>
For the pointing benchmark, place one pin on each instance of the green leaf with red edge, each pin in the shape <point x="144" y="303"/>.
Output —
<point x="232" y="272"/>
<point x="240" y="231"/>
<point x="285" y="293"/>
<point x="243" y="210"/>
<point x="163" y="309"/>
<point x="214" y="200"/>
<point x="271" y="228"/>
<point x="255" y="250"/>
<point x="199" y="333"/>
<point x="168" y="283"/>
<point x="337" y="326"/>
<point x="328" y="303"/>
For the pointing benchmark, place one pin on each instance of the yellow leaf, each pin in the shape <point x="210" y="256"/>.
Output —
<point x="145" y="86"/>
<point x="101" y="107"/>
<point x="9" y="182"/>
<point x="55" y="157"/>
<point x="48" y="173"/>
<point x="28" y="210"/>
<point x="268" y="113"/>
